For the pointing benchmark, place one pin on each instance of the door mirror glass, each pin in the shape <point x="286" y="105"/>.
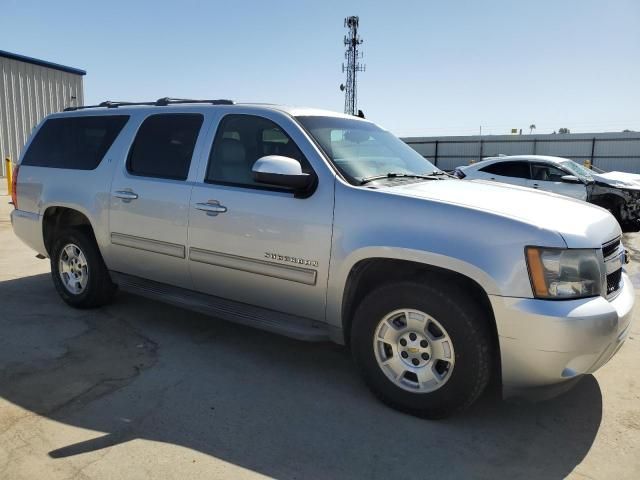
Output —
<point x="281" y="171"/>
<point x="570" y="179"/>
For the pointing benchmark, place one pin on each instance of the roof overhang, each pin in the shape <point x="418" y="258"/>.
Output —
<point x="41" y="63"/>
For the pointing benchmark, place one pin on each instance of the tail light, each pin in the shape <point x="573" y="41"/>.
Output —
<point x="14" y="186"/>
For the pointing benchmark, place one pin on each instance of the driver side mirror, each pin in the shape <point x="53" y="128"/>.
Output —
<point x="282" y="172"/>
<point x="570" y="179"/>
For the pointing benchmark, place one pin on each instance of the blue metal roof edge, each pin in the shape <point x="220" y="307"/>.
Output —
<point x="42" y="63"/>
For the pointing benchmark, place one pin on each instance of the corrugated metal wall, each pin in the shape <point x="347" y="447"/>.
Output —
<point x="607" y="151"/>
<point x="28" y="93"/>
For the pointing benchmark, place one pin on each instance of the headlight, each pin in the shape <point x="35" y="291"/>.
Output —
<point x="557" y="273"/>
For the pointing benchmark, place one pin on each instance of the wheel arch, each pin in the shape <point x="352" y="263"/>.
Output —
<point x="57" y="217"/>
<point x="607" y="198"/>
<point x="372" y="272"/>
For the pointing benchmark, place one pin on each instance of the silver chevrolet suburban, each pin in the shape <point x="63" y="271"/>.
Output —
<point x="322" y="226"/>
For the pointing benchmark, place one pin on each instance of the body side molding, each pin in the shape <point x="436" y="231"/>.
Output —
<point x="306" y="276"/>
<point x="141" y="243"/>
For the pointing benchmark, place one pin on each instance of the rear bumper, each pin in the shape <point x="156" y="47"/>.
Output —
<point x="545" y="343"/>
<point x="28" y="227"/>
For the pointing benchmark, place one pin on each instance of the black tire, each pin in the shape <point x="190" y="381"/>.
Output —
<point x="467" y="325"/>
<point x="614" y="208"/>
<point x="627" y="226"/>
<point x="630" y="227"/>
<point x="99" y="289"/>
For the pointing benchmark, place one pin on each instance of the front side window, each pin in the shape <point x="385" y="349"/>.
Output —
<point x="546" y="173"/>
<point x="164" y="146"/>
<point x="240" y="141"/>
<point x="508" y="169"/>
<point x="361" y="149"/>
<point x="77" y="143"/>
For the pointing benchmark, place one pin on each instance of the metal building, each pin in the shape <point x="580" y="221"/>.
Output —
<point x="607" y="151"/>
<point x="31" y="89"/>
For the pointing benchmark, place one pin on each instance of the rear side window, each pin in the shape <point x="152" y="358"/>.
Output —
<point x="164" y="146"/>
<point x="77" y="143"/>
<point x="508" y="169"/>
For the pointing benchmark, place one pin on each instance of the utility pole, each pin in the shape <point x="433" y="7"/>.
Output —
<point x="351" y="40"/>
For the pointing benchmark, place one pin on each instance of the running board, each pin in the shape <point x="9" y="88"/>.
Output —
<point x="270" y="320"/>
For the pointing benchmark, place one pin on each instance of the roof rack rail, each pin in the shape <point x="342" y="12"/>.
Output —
<point x="161" y="102"/>
<point x="108" y="104"/>
<point x="112" y="104"/>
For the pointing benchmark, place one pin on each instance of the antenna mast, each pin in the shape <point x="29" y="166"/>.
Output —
<point x="351" y="40"/>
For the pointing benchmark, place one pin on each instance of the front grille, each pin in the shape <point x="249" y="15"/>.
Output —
<point x="610" y="247"/>
<point x="613" y="281"/>
<point x="611" y="252"/>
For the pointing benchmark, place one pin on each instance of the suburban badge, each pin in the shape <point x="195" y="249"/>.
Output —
<point x="287" y="258"/>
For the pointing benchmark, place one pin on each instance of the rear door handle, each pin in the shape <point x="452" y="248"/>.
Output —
<point x="125" y="195"/>
<point x="212" y="207"/>
<point x="535" y="185"/>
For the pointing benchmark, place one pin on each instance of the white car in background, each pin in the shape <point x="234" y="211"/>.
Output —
<point x="618" y="192"/>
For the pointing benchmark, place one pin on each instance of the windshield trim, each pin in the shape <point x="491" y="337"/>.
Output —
<point x="344" y="175"/>
<point x="339" y="172"/>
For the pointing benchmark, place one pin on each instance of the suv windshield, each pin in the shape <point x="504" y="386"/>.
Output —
<point x="578" y="170"/>
<point x="362" y="150"/>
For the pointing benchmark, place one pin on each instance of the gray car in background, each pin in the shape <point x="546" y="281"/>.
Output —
<point x="322" y="226"/>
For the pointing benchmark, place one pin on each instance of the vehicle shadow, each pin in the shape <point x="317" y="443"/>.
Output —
<point x="142" y="370"/>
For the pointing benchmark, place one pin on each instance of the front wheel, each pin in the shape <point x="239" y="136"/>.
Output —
<point x="421" y="349"/>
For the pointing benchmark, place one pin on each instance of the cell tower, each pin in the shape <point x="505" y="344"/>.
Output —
<point x="352" y="40"/>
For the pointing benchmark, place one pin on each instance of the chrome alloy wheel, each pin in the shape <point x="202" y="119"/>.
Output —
<point x="73" y="269"/>
<point x="414" y="350"/>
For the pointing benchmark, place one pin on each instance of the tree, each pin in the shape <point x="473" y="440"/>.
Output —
<point x="532" y="127"/>
<point x="564" y="130"/>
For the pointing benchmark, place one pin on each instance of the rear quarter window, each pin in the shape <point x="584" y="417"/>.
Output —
<point x="77" y="143"/>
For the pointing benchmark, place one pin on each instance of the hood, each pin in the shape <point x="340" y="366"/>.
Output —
<point x="581" y="224"/>
<point x="630" y="181"/>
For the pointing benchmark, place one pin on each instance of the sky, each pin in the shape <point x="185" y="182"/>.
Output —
<point x="432" y="67"/>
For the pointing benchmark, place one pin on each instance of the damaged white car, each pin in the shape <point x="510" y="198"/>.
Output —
<point x="618" y="192"/>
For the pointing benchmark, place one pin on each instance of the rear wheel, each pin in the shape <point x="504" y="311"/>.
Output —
<point x="421" y="349"/>
<point x="78" y="271"/>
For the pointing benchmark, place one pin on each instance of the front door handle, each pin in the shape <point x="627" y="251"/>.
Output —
<point x="535" y="185"/>
<point x="212" y="207"/>
<point x="126" y="195"/>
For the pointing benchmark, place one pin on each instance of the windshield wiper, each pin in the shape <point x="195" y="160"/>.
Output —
<point x="440" y="173"/>
<point x="396" y="175"/>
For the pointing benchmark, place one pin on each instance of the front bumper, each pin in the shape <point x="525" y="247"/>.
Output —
<point x="545" y="342"/>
